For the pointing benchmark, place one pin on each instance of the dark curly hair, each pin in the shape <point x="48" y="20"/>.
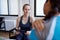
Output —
<point x="55" y="7"/>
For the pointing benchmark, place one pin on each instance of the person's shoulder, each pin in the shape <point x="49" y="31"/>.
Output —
<point x="58" y="21"/>
<point x="58" y="18"/>
<point x="31" y="19"/>
<point x="18" y="18"/>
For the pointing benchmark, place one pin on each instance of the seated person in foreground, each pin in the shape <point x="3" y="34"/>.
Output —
<point x="49" y="27"/>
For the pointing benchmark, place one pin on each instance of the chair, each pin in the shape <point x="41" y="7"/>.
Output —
<point x="2" y="23"/>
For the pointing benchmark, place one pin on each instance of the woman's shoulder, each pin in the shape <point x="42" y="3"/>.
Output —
<point x="18" y="18"/>
<point x="58" y="18"/>
<point x="31" y="19"/>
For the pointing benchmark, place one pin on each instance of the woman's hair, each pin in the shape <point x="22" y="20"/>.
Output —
<point x="55" y="7"/>
<point x="25" y="5"/>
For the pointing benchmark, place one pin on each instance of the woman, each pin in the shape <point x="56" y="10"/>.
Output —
<point x="49" y="27"/>
<point x="24" y="24"/>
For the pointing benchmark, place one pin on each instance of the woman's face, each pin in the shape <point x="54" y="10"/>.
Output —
<point x="26" y="10"/>
<point x="47" y="7"/>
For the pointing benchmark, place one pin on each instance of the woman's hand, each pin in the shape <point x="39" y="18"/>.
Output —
<point x="38" y="25"/>
<point x="17" y="32"/>
<point x="28" y="32"/>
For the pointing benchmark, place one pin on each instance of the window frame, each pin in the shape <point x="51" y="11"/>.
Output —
<point x="35" y="10"/>
<point x="8" y="10"/>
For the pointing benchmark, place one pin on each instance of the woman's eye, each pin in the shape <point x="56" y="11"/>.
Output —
<point x="27" y="9"/>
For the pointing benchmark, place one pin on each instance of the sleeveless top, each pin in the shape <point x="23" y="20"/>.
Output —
<point x="27" y="26"/>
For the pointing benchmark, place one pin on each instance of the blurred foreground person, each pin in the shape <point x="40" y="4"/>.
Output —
<point x="49" y="27"/>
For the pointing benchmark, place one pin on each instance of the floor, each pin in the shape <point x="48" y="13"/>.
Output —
<point x="4" y="35"/>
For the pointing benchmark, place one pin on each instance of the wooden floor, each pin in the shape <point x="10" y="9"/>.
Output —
<point x="4" y="34"/>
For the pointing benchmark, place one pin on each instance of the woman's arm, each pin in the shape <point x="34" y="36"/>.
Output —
<point x="17" y="25"/>
<point x="17" y="22"/>
<point x="31" y="20"/>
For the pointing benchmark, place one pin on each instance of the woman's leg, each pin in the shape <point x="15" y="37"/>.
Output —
<point x="26" y="37"/>
<point x="19" y="36"/>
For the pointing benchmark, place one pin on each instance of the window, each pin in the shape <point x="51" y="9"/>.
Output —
<point x="3" y="7"/>
<point x="38" y="7"/>
<point x="8" y="7"/>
